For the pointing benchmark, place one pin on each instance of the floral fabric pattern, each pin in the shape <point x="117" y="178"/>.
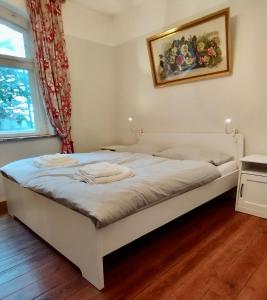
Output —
<point x="53" y="66"/>
<point x="190" y="53"/>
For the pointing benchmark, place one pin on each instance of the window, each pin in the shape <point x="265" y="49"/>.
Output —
<point x="21" y="107"/>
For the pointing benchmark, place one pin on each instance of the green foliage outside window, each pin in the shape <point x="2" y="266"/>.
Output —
<point x="16" y="110"/>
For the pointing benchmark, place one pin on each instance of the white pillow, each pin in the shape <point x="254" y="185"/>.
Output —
<point x="193" y="152"/>
<point x="141" y="148"/>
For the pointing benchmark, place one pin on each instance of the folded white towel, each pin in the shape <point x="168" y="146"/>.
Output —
<point x="55" y="160"/>
<point x="124" y="173"/>
<point x="109" y="179"/>
<point x="102" y="169"/>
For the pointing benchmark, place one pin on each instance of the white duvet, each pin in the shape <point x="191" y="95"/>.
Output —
<point x="156" y="179"/>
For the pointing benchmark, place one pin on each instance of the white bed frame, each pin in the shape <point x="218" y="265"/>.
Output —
<point x="76" y="237"/>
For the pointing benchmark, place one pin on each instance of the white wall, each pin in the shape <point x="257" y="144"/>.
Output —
<point x="89" y="39"/>
<point x="93" y="110"/>
<point x="154" y="15"/>
<point x="200" y="106"/>
<point x="89" y="44"/>
<point x="87" y="24"/>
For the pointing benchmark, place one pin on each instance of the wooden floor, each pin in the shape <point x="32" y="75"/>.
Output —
<point x="211" y="253"/>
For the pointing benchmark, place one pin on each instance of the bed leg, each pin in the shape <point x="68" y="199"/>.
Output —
<point x="94" y="273"/>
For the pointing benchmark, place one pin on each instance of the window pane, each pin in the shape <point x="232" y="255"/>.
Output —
<point x="16" y="109"/>
<point x="11" y="42"/>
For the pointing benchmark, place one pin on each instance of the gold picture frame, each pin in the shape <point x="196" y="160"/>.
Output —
<point x="193" y="51"/>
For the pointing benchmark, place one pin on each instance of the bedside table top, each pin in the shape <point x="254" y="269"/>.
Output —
<point x="256" y="158"/>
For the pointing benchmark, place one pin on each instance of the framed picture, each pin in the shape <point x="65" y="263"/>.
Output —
<point x="193" y="51"/>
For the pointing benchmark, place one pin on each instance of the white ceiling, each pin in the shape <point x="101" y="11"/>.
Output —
<point x="110" y="7"/>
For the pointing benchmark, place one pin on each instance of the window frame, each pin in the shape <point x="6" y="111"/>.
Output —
<point x="41" y="121"/>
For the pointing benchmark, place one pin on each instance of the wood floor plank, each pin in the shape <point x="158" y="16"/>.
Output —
<point x="22" y="281"/>
<point x="256" y="286"/>
<point x="176" y="278"/>
<point x="90" y="293"/>
<point x="15" y="250"/>
<point x="14" y="234"/>
<point x="9" y="226"/>
<point x="182" y="236"/>
<point x="213" y="296"/>
<point x="236" y="275"/>
<point x="66" y="289"/>
<point x="52" y="279"/>
<point x="215" y="266"/>
<point x="5" y="219"/>
<point x="24" y="256"/>
<point x="14" y="244"/>
<point x="211" y="253"/>
<point x="32" y="263"/>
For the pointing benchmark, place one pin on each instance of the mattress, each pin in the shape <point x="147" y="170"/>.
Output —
<point x="156" y="179"/>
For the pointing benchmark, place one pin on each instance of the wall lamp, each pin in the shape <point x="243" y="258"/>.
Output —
<point x="227" y="127"/>
<point x="137" y="131"/>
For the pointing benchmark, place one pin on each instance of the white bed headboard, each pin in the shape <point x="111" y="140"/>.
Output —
<point x="232" y="145"/>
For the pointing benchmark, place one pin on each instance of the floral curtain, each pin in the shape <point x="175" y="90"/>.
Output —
<point x="53" y="67"/>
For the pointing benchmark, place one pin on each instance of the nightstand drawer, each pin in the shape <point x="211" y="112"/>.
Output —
<point x="253" y="192"/>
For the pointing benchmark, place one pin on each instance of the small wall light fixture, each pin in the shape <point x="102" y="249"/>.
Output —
<point x="137" y="131"/>
<point x="228" y="129"/>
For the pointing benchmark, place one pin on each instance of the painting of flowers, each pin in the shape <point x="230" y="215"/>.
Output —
<point x="197" y="50"/>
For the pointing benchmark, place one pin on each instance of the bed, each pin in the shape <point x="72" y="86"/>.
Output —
<point x="78" y="237"/>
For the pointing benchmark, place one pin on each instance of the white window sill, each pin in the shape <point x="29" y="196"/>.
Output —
<point x="26" y="137"/>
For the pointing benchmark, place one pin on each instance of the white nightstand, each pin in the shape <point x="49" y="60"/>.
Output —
<point x="252" y="186"/>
